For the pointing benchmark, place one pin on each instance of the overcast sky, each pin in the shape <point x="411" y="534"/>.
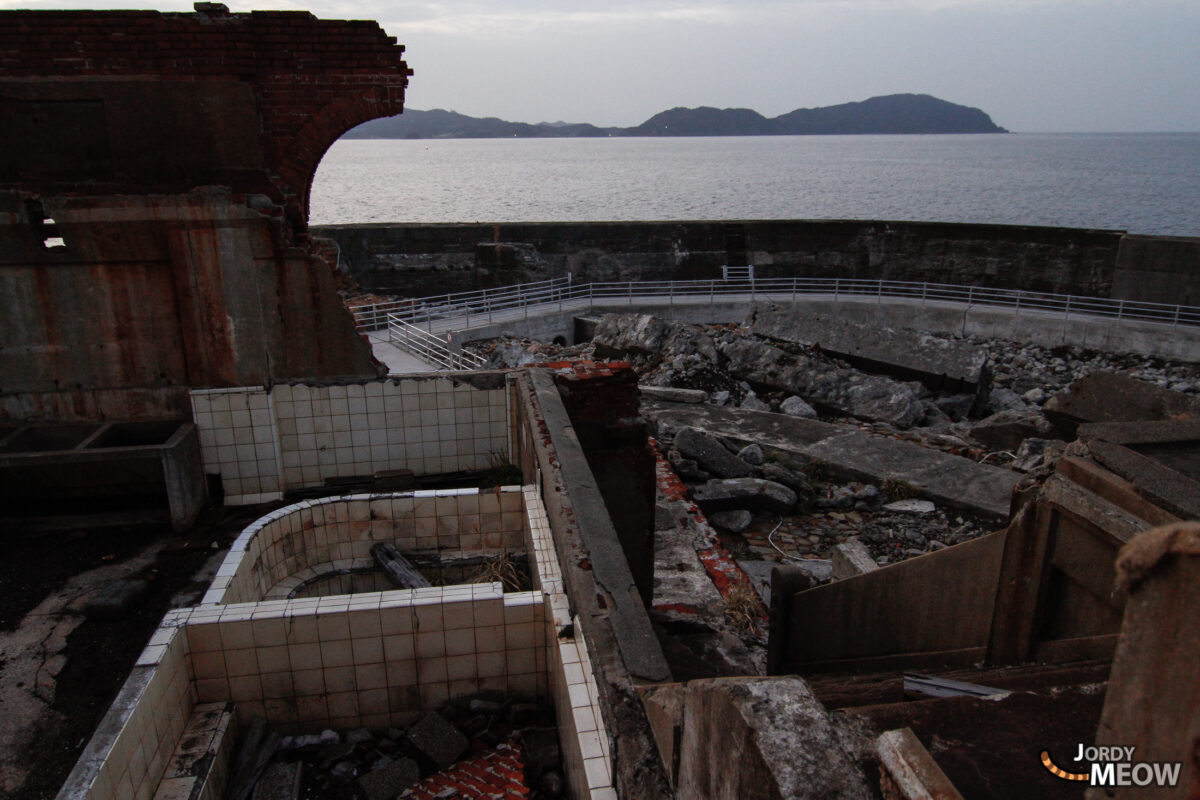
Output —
<point x="1033" y="65"/>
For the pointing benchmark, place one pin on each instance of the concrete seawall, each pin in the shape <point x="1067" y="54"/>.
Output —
<point x="424" y="259"/>
<point x="1047" y="329"/>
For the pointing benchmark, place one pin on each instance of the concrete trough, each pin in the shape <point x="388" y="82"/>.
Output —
<point x="151" y="464"/>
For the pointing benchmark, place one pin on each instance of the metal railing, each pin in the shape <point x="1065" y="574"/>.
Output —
<point x="428" y="347"/>
<point x="483" y="306"/>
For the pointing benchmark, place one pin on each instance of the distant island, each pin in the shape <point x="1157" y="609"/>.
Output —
<point x="894" y="113"/>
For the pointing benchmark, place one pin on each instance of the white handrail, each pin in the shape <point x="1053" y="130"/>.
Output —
<point x="428" y="347"/>
<point x="484" y="304"/>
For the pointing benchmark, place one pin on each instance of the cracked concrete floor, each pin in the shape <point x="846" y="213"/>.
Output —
<point x="60" y="668"/>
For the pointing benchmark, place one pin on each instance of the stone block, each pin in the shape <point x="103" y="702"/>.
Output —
<point x="438" y="739"/>
<point x="390" y="779"/>
<point x="710" y="454"/>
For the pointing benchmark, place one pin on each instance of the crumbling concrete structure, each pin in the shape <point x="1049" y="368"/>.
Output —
<point x="154" y="185"/>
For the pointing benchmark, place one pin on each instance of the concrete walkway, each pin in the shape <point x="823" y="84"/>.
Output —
<point x="399" y="362"/>
<point x="943" y="478"/>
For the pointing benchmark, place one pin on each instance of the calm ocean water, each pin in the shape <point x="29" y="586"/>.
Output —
<point x="1142" y="183"/>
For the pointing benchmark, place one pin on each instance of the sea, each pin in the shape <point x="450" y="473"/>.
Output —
<point x="1139" y="183"/>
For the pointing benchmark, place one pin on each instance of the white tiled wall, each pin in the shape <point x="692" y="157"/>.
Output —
<point x="291" y="544"/>
<point x="130" y="751"/>
<point x="376" y="660"/>
<point x="264" y="442"/>
<point x="587" y="761"/>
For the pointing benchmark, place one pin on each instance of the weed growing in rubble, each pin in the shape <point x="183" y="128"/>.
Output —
<point x="742" y="609"/>
<point x="500" y="569"/>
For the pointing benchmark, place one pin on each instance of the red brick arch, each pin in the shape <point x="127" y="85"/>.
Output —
<point x="300" y="156"/>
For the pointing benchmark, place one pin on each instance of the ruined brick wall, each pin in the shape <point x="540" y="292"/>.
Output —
<point x="281" y="85"/>
<point x="154" y="180"/>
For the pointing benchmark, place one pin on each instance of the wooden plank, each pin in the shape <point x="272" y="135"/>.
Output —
<point x="951" y="659"/>
<point x="908" y="772"/>
<point x="936" y="602"/>
<point x="1084" y="648"/>
<point x="1088" y="561"/>
<point x="396" y="568"/>
<point x="1021" y="587"/>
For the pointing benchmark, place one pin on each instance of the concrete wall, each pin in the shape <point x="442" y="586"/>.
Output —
<point x="154" y="179"/>
<point x="1158" y="269"/>
<point x="422" y="259"/>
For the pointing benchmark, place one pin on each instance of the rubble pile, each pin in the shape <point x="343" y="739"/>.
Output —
<point x="468" y="742"/>
<point x="999" y="412"/>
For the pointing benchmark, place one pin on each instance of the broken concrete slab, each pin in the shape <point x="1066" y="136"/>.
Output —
<point x="946" y="479"/>
<point x="1116" y="397"/>
<point x="744" y="493"/>
<point x="953" y="365"/>
<point x="710" y="454"/>
<point x="673" y="394"/>
<point x="438" y="739"/>
<point x="820" y="381"/>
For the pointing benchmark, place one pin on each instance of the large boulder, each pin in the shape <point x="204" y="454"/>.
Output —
<point x="710" y="454"/>
<point x="744" y="493"/>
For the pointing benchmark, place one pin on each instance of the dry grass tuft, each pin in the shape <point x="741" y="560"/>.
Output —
<point x="499" y="569"/>
<point x="742" y="608"/>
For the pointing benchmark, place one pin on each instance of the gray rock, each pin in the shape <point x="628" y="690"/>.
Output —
<point x="796" y="481"/>
<point x="796" y="407"/>
<point x="744" y="493"/>
<point x="732" y="521"/>
<point x="664" y="519"/>
<point x="390" y="780"/>
<point x="1036" y="395"/>
<point x="751" y="403"/>
<point x="721" y="398"/>
<point x="674" y="395"/>
<point x="642" y="333"/>
<point x="344" y="771"/>
<point x="359" y="735"/>
<point x="438" y="739"/>
<point x="1005" y="430"/>
<point x="956" y="406"/>
<point x="752" y="454"/>
<point x="1001" y="399"/>
<point x="911" y="507"/>
<point x="710" y="454"/>
<point x="1034" y="452"/>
